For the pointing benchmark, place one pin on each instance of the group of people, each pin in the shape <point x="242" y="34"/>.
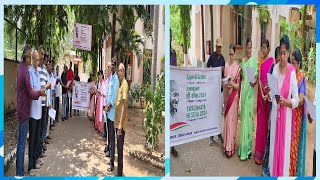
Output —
<point x="108" y="110"/>
<point x="36" y="95"/>
<point x="280" y="144"/>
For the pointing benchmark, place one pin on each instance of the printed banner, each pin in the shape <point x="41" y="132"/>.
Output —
<point x="195" y="104"/>
<point x="81" y="95"/>
<point x="82" y="36"/>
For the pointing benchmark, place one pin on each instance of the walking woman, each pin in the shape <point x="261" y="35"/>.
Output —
<point x="281" y="113"/>
<point x="247" y="104"/>
<point x="298" y="142"/>
<point x="232" y="93"/>
<point x="263" y="105"/>
<point x="100" y="102"/>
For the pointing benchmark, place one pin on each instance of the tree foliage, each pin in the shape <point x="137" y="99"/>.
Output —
<point x="40" y="24"/>
<point x="128" y="39"/>
<point x="177" y="13"/>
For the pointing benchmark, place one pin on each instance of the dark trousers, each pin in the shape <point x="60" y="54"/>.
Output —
<point x="111" y="140"/>
<point x="34" y="138"/>
<point x="67" y="104"/>
<point x="21" y="145"/>
<point x="105" y="134"/>
<point x="70" y="105"/>
<point x="56" y="107"/>
<point x="314" y="163"/>
<point x="43" y="130"/>
<point x="120" y="142"/>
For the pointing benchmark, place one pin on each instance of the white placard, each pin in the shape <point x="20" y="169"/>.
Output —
<point x="195" y="104"/>
<point x="52" y="113"/>
<point x="250" y="74"/>
<point x="53" y="83"/>
<point x="226" y="80"/>
<point x="273" y="84"/>
<point x="311" y="108"/>
<point x="82" y="36"/>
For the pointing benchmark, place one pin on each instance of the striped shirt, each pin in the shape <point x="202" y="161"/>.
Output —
<point x="43" y="81"/>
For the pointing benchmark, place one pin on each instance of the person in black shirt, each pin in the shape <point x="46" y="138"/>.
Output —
<point x="64" y="92"/>
<point x="217" y="60"/>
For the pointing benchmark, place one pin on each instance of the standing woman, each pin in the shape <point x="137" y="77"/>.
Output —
<point x="298" y="143"/>
<point x="263" y="105"/>
<point x="247" y="104"/>
<point x="265" y="164"/>
<point x="232" y="93"/>
<point x="92" y="97"/>
<point x="281" y="113"/>
<point x="100" y="102"/>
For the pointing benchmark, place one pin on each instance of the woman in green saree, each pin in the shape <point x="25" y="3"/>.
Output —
<point x="247" y="103"/>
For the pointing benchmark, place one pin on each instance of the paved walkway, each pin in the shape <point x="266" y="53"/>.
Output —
<point x="76" y="149"/>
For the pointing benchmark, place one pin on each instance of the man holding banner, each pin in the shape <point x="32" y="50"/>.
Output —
<point x="216" y="59"/>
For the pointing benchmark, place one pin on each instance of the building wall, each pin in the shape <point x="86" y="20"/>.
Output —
<point x="225" y="24"/>
<point x="10" y="85"/>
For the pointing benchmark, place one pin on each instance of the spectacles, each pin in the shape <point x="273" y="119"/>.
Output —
<point x="231" y="54"/>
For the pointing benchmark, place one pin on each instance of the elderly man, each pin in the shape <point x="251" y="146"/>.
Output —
<point x="25" y="94"/>
<point x="113" y="88"/>
<point x="35" y="115"/>
<point x="121" y="116"/>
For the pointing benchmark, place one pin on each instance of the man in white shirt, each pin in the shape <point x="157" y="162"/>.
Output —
<point x="35" y="115"/>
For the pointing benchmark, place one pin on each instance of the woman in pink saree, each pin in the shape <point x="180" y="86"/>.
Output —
<point x="100" y="102"/>
<point x="263" y="105"/>
<point x="231" y="90"/>
<point x="92" y="97"/>
<point x="281" y="113"/>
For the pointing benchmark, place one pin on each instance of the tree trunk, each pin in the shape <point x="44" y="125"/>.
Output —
<point x="113" y="35"/>
<point x="184" y="35"/>
<point x="305" y="7"/>
<point x="155" y="47"/>
<point x="202" y="33"/>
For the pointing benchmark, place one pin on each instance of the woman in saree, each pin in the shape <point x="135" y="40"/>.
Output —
<point x="100" y="102"/>
<point x="92" y="97"/>
<point x="263" y="105"/>
<point x="298" y="142"/>
<point x="247" y="103"/>
<point x="232" y="93"/>
<point x="281" y="113"/>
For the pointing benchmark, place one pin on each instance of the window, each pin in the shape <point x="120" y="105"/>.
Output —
<point x="239" y="29"/>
